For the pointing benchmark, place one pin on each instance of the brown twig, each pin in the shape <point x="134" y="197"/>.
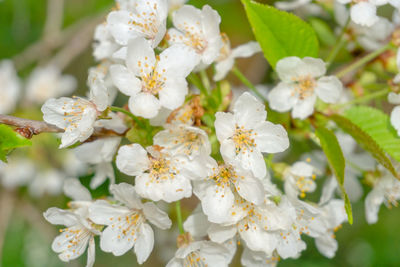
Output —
<point x="28" y="128"/>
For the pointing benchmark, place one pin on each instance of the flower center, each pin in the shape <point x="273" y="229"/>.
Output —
<point x="244" y="139"/>
<point x="153" y="81"/>
<point x="304" y="86"/>
<point x="77" y="110"/>
<point x="161" y="169"/>
<point x="145" y="22"/>
<point x="194" y="260"/>
<point x="127" y="225"/>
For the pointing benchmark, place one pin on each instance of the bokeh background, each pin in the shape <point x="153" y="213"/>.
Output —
<point x="25" y="237"/>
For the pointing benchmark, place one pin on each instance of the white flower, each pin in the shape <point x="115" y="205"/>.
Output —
<point x="80" y="231"/>
<point x="386" y="190"/>
<point x="301" y="84"/>
<point x="159" y="176"/>
<point x="198" y="29"/>
<point x="10" y="87"/>
<point x="217" y="192"/>
<point x="76" y="115"/>
<point x="73" y="240"/>
<point x="182" y="139"/>
<point x="227" y="56"/>
<point x="245" y="134"/>
<point x="127" y="225"/>
<point x="99" y="153"/>
<point x="201" y="253"/>
<point x="364" y="12"/>
<point x="99" y="79"/>
<point x="332" y="216"/>
<point x="299" y="179"/>
<point x="264" y="228"/>
<point x="105" y="45"/>
<point x="48" y="82"/>
<point x="154" y="81"/>
<point x="50" y="182"/>
<point x="145" y="19"/>
<point x="16" y="172"/>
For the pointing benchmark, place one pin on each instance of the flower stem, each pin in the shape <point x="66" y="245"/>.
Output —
<point x="338" y="45"/>
<point x="118" y="109"/>
<point x="246" y="82"/>
<point x="363" y="60"/>
<point x="196" y="81"/>
<point x="366" y="98"/>
<point x="179" y="217"/>
<point x="205" y="80"/>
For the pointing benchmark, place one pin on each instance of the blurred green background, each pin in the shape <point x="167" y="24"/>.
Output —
<point x="25" y="237"/>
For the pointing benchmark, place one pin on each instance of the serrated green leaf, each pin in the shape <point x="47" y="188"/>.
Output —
<point x="365" y="140"/>
<point x="334" y="154"/>
<point x="377" y="124"/>
<point x="10" y="140"/>
<point x="279" y="33"/>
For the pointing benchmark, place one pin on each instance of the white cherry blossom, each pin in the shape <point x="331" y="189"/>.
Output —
<point x="10" y="87"/>
<point x="299" y="180"/>
<point x="47" y="182"/>
<point x="386" y="190"/>
<point x="126" y="226"/>
<point x="199" y="30"/>
<point x="154" y="81"/>
<point x="201" y="253"/>
<point x="182" y="139"/>
<point x="48" y="82"/>
<point x="159" y="176"/>
<point x="145" y="19"/>
<point x="99" y="153"/>
<point x="227" y="56"/>
<point x="302" y="80"/>
<point x="258" y="259"/>
<point x="80" y="230"/>
<point x="104" y="45"/>
<point x="245" y="135"/>
<point x="217" y="192"/>
<point x="364" y="12"/>
<point x="76" y="115"/>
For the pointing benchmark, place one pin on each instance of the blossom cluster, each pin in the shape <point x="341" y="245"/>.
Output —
<point x="172" y="142"/>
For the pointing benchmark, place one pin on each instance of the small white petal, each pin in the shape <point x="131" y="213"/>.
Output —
<point x="144" y="105"/>
<point x="132" y="159"/>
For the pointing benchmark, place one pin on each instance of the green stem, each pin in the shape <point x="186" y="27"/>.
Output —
<point x="365" y="98"/>
<point x="338" y="45"/>
<point x="205" y="80"/>
<point x="195" y="80"/>
<point x="363" y="60"/>
<point x="118" y="109"/>
<point x="179" y="217"/>
<point x="246" y="82"/>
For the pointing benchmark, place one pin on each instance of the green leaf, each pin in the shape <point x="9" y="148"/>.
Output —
<point x="323" y="31"/>
<point x="334" y="154"/>
<point x="365" y="140"/>
<point x="279" y="33"/>
<point x="9" y="140"/>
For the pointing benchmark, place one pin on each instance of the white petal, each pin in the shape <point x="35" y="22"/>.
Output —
<point x="257" y="239"/>
<point x="197" y="224"/>
<point x="220" y="234"/>
<point x="132" y="159"/>
<point x="140" y="57"/>
<point x="125" y="80"/>
<point x="156" y="216"/>
<point x="251" y="189"/>
<point x="101" y="212"/>
<point x="326" y="245"/>
<point x="364" y="13"/>
<point x="91" y="253"/>
<point x="60" y="217"/>
<point x="75" y="190"/>
<point x="177" y="61"/>
<point x="271" y="138"/>
<point x="395" y="119"/>
<point x="126" y="194"/>
<point x="329" y="89"/>
<point x="224" y="125"/>
<point x="172" y="96"/>
<point x="112" y="241"/>
<point x="281" y="98"/>
<point x="246" y="50"/>
<point x="249" y="111"/>
<point x="304" y="108"/>
<point x="144" y="244"/>
<point x="222" y="68"/>
<point x="144" y="105"/>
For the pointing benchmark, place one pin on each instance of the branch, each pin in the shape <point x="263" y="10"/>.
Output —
<point x="31" y="126"/>
<point x="28" y="128"/>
